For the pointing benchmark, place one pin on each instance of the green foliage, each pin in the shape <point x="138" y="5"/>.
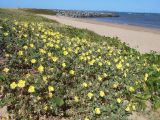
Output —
<point x="56" y="70"/>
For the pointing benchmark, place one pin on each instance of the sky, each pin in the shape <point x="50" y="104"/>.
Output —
<point x="149" y="6"/>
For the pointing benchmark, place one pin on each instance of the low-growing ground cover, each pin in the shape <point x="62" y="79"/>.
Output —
<point x="48" y="69"/>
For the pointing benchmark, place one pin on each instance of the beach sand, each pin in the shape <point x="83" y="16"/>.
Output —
<point x="141" y="38"/>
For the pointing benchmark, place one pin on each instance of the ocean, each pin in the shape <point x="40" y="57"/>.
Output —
<point x="150" y="20"/>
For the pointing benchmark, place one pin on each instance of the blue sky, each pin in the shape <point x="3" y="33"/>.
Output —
<point x="112" y="5"/>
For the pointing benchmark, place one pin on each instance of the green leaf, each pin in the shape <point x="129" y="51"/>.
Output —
<point x="2" y="78"/>
<point x="58" y="101"/>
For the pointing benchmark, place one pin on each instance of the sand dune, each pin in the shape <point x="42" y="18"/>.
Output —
<point x="143" y="39"/>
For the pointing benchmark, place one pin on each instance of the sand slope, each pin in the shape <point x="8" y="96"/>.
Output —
<point x="142" y="39"/>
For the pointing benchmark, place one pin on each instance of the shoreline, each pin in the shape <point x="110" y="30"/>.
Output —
<point x="142" y="39"/>
<point x="125" y="26"/>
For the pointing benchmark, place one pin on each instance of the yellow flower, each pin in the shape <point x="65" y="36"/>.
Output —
<point x="131" y="89"/>
<point x="119" y="100"/>
<point x="63" y="64"/>
<point x="25" y="47"/>
<point x="91" y="62"/>
<point x="6" y="34"/>
<point x="42" y="51"/>
<point x="99" y="78"/>
<point x="100" y="64"/>
<point x="20" y="53"/>
<point x="119" y="66"/>
<point x="31" y="89"/>
<point x="146" y="77"/>
<point x="133" y="107"/>
<point x="84" y="84"/>
<point x="50" y="88"/>
<point x="128" y="109"/>
<point x="108" y="63"/>
<point x="105" y="75"/>
<point x="101" y="93"/>
<point x="86" y="118"/>
<point x="6" y="70"/>
<point x="13" y="85"/>
<point x="33" y="61"/>
<point x="45" y="108"/>
<point x="127" y="64"/>
<point x="44" y="78"/>
<point x="21" y="83"/>
<point x="54" y="59"/>
<point x="90" y="95"/>
<point x="72" y="72"/>
<point x="76" y="99"/>
<point x="49" y="54"/>
<point x="65" y="53"/>
<point x="31" y="45"/>
<point x="98" y="111"/>
<point x="115" y="85"/>
<point x="50" y="94"/>
<point x="25" y="35"/>
<point x="40" y="68"/>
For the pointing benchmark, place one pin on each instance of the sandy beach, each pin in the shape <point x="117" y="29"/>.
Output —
<point x="143" y="39"/>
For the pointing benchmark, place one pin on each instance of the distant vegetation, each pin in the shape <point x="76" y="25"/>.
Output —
<point x="48" y="69"/>
<point x="41" y="11"/>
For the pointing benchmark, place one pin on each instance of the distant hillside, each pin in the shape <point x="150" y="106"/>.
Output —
<point x="41" y="11"/>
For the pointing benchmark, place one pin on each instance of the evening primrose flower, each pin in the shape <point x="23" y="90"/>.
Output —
<point x="108" y="63"/>
<point x="31" y="45"/>
<point x="133" y="107"/>
<point x="21" y="83"/>
<point x="90" y="95"/>
<point x="25" y="35"/>
<point x="128" y="109"/>
<point x="54" y="59"/>
<point x="6" y="34"/>
<point x="100" y="64"/>
<point x="49" y="54"/>
<point x="20" y="53"/>
<point x="63" y="64"/>
<point x="86" y="118"/>
<point x="40" y="68"/>
<point x="119" y="66"/>
<point x="13" y="85"/>
<point x="146" y="77"/>
<point x="84" y="84"/>
<point x="127" y="64"/>
<point x="97" y="111"/>
<point x="45" y="108"/>
<point x="91" y="62"/>
<point x="31" y="89"/>
<point x="76" y="99"/>
<point x="33" y="61"/>
<point x="99" y="78"/>
<point x="6" y="70"/>
<point x="25" y="47"/>
<point x="50" y="94"/>
<point x="101" y="93"/>
<point x="131" y="89"/>
<point x="50" y="88"/>
<point x="42" y="51"/>
<point x="72" y="72"/>
<point x="115" y="85"/>
<point x="105" y="74"/>
<point x="119" y="100"/>
<point x="65" y="52"/>
<point x="44" y="78"/>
